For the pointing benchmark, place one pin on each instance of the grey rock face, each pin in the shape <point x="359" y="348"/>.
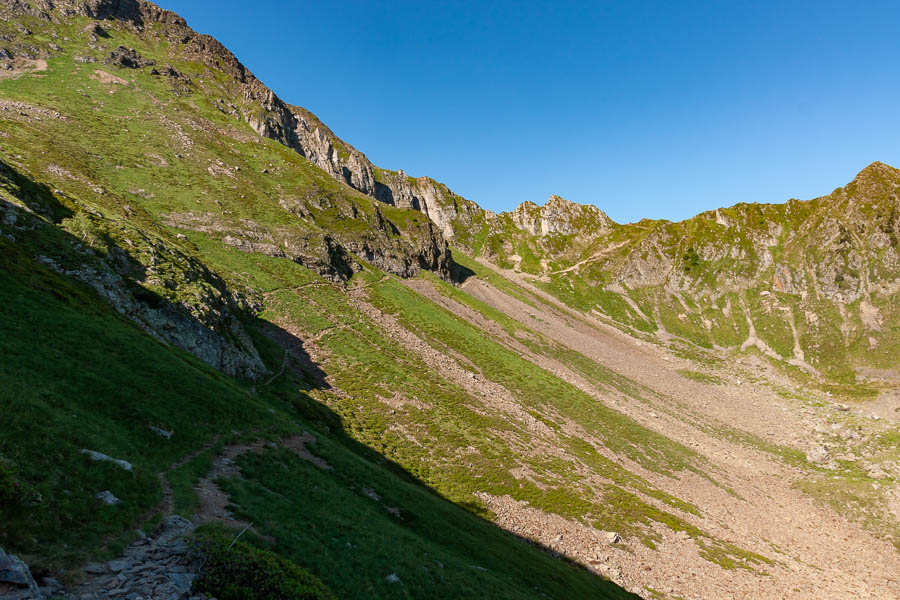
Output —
<point x="127" y="58"/>
<point x="215" y="343"/>
<point x="202" y="315"/>
<point x="443" y="207"/>
<point x="162" y="432"/>
<point x="16" y="577"/>
<point x="104" y="458"/>
<point x="107" y="497"/>
<point x="558" y="215"/>
<point x="333" y="254"/>
<point x="301" y="131"/>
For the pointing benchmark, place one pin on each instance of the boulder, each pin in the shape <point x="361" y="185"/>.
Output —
<point x="107" y="497"/>
<point x="15" y="575"/>
<point x="98" y="456"/>
<point x="127" y="58"/>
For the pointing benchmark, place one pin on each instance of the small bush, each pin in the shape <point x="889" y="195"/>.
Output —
<point x="691" y="258"/>
<point x="244" y="572"/>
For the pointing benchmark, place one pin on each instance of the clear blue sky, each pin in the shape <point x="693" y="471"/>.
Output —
<point x="645" y="109"/>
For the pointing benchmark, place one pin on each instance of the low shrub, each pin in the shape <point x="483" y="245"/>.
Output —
<point x="241" y="571"/>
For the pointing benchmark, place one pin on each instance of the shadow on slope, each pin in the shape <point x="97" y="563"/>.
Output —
<point x="77" y="375"/>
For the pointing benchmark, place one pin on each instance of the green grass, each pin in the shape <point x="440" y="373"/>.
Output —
<point x="531" y="383"/>
<point x="60" y="393"/>
<point x="426" y="440"/>
<point x="436" y="549"/>
<point x="77" y="375"/>
<point x="701" y="377"/>
<point x="63" y="390"/>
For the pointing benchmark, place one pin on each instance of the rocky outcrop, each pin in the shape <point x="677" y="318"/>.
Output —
<point x="558" y="215"/>
<point x="264" y="111"/>
<point x="16" y="582"/>
<point x="219" y="340"/>
<point x="127" y="58"/>
<point x="334" y="255"/>
<point x="453" y="214"/>
<point x="171" y="295"/>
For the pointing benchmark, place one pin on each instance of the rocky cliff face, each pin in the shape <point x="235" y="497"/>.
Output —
<point x="376" y="238"/>
<point x="561" y="216"/>
<point x="813" y="283"/>
<point x="170" y="294"/>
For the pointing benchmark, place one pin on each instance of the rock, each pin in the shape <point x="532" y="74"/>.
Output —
<point x="818" y="455"/>
<point x="174" y="527"/>
<point x="95" y="30"/>
<point x="162" y="432"/>
<point x="15" y="573"/>
<point x="182" y="581"/>
<point x="102" y="457"/>
<point x="876" y="472"/>
<point x="392" y="578"/>
<point x="127" y="58"/>
<point x="159" y="567"/>
<point x="848" y="434"/>
<point x="613" y="538"/>
<point x="106" y="497"/>
<point x="95" y="568"/>
<point x="117" y="566"/>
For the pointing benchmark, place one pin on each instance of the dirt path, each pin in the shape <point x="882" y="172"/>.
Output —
<point x="214" y="502"/>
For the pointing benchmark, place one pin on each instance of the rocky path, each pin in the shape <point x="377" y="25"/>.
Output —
<point x="151" y="568"/>
<point x="158" y="567"/>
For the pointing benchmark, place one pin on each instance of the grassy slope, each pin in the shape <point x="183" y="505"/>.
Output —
<point x="81" y="376"/>
<point x="847" y="488"/>
<point x="392" y="402"/>
<point x="366" y="365"/>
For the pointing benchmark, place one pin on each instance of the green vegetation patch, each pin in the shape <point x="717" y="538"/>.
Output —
<point x="234" y="570"/>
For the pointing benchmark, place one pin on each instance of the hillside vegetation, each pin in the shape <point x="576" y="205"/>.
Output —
<point x="385" y="391"/>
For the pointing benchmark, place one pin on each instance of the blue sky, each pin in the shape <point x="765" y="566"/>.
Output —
<point x="645" y="109"/>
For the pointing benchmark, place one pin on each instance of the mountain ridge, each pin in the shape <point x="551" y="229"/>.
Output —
<point x="194" y="287"/>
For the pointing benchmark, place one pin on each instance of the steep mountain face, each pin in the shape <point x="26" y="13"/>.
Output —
<point x="215" y="308"/>
<point x="811" y="284"/>
<point x="804" y="283"/>
<point x="178" y="300"/>
<point x="207" y="97"/>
